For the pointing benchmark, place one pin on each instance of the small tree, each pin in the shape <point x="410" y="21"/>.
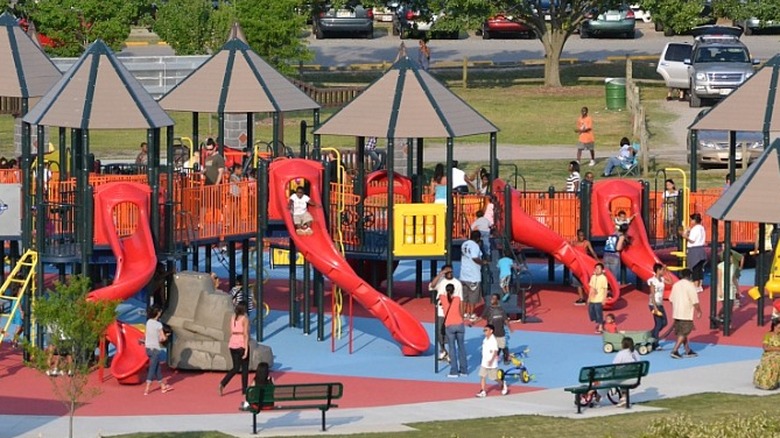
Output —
<point x="76" y="326"/>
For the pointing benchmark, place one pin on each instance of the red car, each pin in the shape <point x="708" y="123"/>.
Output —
<point x="43" y="40"/>
<point x="502" y="25"/>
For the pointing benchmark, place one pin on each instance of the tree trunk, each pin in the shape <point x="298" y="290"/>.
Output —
<point x="553" y="41"/>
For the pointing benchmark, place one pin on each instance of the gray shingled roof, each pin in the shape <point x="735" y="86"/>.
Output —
<point x="754" y="106"/>
<point x="98" y="93"/>
<point x="236" y="80"/>
<point x="754" y="197"/>
<point x="407" y="102"/>
<point x="25" y="70"/>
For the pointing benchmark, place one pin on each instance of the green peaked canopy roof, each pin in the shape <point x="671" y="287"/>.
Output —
<point x="754" y="197"/>
<point x="25" y="70"/>
<point x="407" y="102"/>
<point x="98" y="93"/>
<point x="236" y="80"/>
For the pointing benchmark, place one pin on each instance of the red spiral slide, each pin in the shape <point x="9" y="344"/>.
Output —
<point x="638" y="257"/>
<point x="135" y="265"/>
<point x="528" y="231"/>
<point x="319" y="250"/>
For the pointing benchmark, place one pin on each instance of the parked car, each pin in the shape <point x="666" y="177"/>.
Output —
<point x="615" y="21"/>
<point x="713" y="146"/>
<point x="719" y="63"/>
<point x="352" y="18"/>
<point x="502" y="25"/>
<point x="672" y="65"/>
<point x="714" y="66"/>
<point x="706" y="16"/>
<point x="415" y="20"/>
<point x="753" y="25"/>
<point x="640" y="14"/>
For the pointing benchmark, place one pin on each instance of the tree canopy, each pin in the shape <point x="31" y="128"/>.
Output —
<point x="74" y="24"/>
<point x="553" y="22"/>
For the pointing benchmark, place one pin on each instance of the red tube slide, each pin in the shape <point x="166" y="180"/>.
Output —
<point x="135" y="264"/>
<point x="319" y="250"/>
<point x="638" y="256"/>
<point x="528" y="231"/>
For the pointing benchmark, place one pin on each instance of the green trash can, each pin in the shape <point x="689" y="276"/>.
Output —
<point x="616" y="93"/>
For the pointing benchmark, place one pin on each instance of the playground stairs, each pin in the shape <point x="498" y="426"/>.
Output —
<point x="20" y="281"/>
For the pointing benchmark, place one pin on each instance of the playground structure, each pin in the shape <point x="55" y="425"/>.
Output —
<point x="165" y="214"/>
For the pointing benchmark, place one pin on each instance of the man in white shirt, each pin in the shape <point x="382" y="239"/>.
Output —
<point x="471" y="274"/>
<point x="299" y="208"/>
<point x="685" y="304"/>
<point x="460" y="181"/>
<point x="696" y="255"/>
<point x="439" y="285"/>
<point x="489" y="365"/>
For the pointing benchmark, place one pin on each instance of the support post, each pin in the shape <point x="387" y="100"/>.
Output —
<point x="714" y="277"/>
<point x="727" y="283"/>
<point x="761" y="270"/>
<point x="390" y="219"/>
<point x="262" y="224"/>
<point x="694" y="145"/>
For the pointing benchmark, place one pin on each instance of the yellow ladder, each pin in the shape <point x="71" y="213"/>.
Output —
<point x="16" y="285"/>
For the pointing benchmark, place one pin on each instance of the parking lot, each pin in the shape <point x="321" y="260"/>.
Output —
<point x="333" y="52"/>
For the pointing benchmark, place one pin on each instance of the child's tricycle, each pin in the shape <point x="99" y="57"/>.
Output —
<point x="643" y="341"/>
<point x="518" y="369"/>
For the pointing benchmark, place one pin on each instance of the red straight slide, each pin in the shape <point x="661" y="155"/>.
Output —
<point x="528" y="231"/>
<point x="638" y="257"/>
<point x="319" y="250"/>
<point x="135" y="264"/>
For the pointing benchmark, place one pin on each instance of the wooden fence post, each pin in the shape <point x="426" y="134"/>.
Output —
<point x="465" y="72"/>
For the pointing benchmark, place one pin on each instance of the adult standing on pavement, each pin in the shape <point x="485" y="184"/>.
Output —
<point x="586" y="139"/>
<point x="696" y="255"/>
<point x="657" y="285"/>
<point x="456" y="333"/>
<point x="424" y="55"/>
<point x="685" y="305"/>
<point x="439" y="285"/>
<point x="471" y="274"/>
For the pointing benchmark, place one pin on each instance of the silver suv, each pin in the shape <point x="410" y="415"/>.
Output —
<point x="719" y="63"/>
<point x="710" y="68"/>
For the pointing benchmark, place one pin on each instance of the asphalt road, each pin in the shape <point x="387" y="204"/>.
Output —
<point x="345" y="51"/>
<point x="335" y="52"/>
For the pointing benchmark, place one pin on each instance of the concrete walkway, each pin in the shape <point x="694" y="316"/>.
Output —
<point x="732" y="377"/>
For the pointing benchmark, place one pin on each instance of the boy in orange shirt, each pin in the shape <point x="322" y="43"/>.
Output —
<point x="586" y="138"/>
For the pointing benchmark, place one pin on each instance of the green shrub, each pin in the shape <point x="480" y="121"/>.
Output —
<point x="682" y="426"/>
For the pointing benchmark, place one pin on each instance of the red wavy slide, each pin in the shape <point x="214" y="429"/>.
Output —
<point x="135" y="264"/>
<point x="528" y="231"/>
<point x="319" y="250"/>
<point x="639" y="256"/>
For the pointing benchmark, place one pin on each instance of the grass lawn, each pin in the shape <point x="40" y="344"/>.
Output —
<point x="705" y="408"/>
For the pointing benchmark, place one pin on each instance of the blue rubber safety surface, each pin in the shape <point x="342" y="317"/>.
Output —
<point x="553" y="359"/>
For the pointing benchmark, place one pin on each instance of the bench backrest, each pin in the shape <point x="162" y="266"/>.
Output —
<point x="295" y="392"/>
<point x="622" y="371"/>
